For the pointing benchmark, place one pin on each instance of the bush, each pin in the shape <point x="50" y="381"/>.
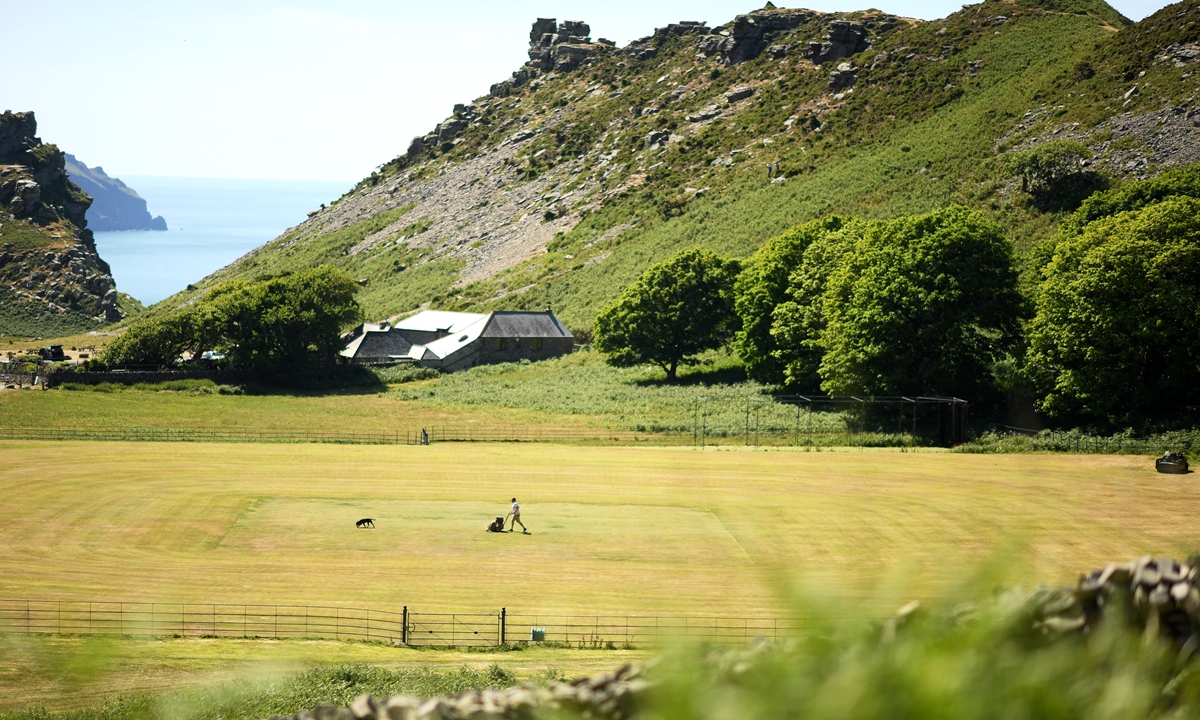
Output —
<point x="1057" y="174"/>
<point x="397" y="374"/>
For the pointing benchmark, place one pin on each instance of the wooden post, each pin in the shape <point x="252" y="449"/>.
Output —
<point x="503" y="625"/>
<point x="404" y="627"/>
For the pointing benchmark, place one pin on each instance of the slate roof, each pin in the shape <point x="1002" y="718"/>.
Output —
<point x="378" y="343"/>
<point x="512" y="324"/>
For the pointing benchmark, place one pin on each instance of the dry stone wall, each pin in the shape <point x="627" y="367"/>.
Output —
<point x="613" y="696"/>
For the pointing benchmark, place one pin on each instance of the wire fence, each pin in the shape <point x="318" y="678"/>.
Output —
<point x="405" y="627"/>
<point x="429" y="434"/>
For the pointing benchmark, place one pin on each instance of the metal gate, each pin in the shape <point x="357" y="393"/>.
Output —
<point x="453" y="629"/>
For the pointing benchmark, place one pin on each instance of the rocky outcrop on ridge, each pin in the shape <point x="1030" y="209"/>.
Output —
<point x="51" y="278"/>
<point x="115" y="205"/>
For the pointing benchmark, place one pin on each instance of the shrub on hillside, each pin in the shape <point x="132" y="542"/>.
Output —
<point x="1183" y="181"/>
<point x="1057" y="174"/>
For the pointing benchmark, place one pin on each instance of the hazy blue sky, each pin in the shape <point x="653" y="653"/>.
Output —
<point x="297" y="89"/>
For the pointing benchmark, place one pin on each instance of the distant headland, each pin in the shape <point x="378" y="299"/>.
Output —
<point x="115" y="205"/>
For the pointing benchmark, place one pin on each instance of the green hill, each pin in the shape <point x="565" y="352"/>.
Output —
<point x="592" y="162"/>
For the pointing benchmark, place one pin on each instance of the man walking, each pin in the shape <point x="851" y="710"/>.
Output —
<point x="516" y="518"/>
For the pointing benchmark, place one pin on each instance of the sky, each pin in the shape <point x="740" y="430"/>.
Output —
<point x="296" y="89"/>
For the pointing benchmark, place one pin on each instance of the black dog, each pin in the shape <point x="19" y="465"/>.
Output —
<point x="365" y="523"/>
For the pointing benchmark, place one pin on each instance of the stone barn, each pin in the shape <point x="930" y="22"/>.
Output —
<point x="451" y="341"/>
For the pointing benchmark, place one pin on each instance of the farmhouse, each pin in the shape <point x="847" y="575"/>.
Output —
<point x="452" y="341"/>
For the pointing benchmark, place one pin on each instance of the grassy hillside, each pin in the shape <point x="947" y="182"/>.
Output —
<point x="576" y="201"/>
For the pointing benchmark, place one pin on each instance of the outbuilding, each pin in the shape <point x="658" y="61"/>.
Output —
<point x="451" y="341"/>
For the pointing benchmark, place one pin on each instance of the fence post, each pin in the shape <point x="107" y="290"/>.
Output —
<point x="26" y="617"/>
<point x="404" y="626"/>
<point x="503" y="628"/>
<point x="337" y="623"/>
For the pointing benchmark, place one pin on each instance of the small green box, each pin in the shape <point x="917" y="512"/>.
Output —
<point x="537" y="634"/>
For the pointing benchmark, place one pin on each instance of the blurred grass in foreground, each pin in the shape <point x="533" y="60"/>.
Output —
<point x="965" y="661"/>
<point x="956" y="661"/>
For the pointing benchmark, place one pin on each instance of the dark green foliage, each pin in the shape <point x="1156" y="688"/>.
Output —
<point x="155" y="341"/>
<point x="1057" y="174"/>
<point x="1113" y="341"/>
<point x="922" y="304"/>
<point x="274" y="323"/>
<point x="674" y="311"/>
<point x="763" y="286"/>
<point x="281" y="322"/>
<point x="1181" y="181"/>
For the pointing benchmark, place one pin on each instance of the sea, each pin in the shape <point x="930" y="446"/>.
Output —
<point x="211" y="222"/>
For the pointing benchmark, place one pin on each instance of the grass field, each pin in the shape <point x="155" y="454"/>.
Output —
<point x="614" y="530"/>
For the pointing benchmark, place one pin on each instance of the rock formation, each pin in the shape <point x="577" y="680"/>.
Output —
<point x="115" y="205"/>
<point x="843" y="39"/>
<point x="51" y="278"/>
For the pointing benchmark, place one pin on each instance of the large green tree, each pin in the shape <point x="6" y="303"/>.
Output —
<point x="674" y="311"/>
<point x="762" y="287"/>
<point x="919" y="305"/>
<point x="1113" y="340"/>
<point x="797" y="323"/>
<point x="153" y="341"/>
<point x="269" y="324"/>
<point x="282" y="321"/>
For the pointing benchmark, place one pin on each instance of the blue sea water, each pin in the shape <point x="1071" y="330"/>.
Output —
<point x="211" y="223"/>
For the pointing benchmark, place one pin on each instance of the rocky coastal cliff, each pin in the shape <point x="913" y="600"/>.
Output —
<point x="115" y="205"/>
<point x="52" y="281"/>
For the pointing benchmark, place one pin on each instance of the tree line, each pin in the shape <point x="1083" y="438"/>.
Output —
<point x="272" y="323"/>
<point x="1099" y="327"/>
